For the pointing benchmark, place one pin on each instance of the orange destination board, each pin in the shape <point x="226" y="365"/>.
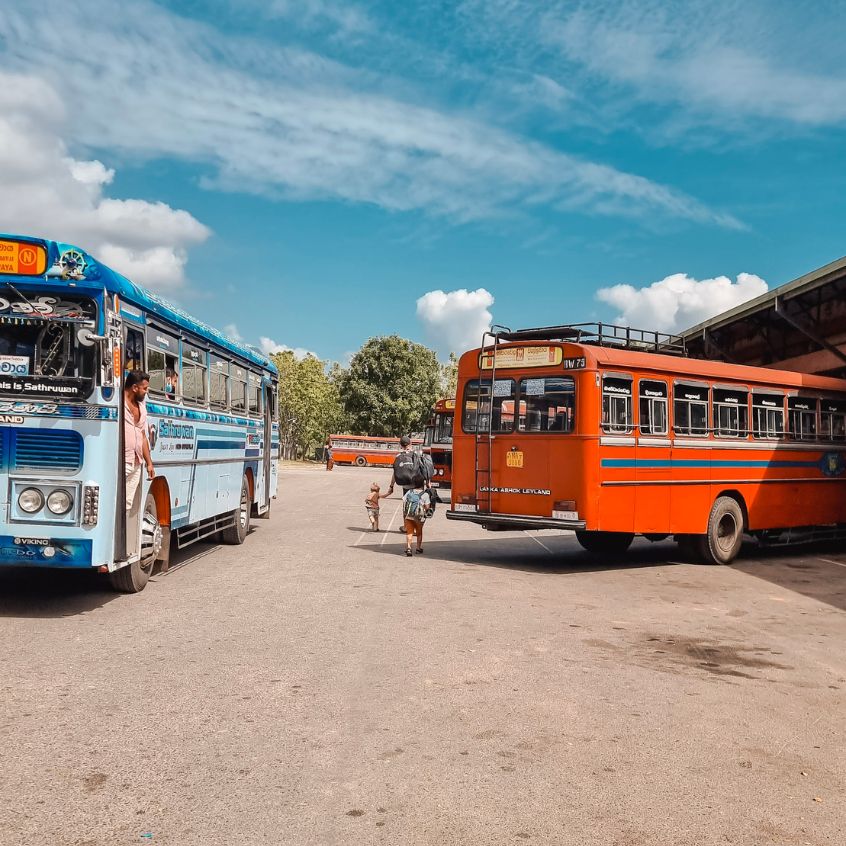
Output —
<point x="522" y="357"/>
<point x="22" y="259"/>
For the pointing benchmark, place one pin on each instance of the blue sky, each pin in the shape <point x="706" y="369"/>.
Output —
<point x="313" y="173"/>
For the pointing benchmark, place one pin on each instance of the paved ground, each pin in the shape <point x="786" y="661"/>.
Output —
<point x="316" y="687"/>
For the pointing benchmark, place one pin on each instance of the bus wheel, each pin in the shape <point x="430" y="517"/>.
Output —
<point x="236" y="534"/>
<point x="360" y="461"/>
<point x="605" y="543"/>
<point x="133" y="577"/>
<point x="721" y="543"/>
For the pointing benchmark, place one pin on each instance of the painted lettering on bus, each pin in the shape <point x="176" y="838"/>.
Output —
<point x="175" y="430"/>
<point x="27" y="407"/>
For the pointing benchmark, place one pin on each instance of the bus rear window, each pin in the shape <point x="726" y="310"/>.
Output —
<point x="482" y="412"/>
<point x="550" y="404"/>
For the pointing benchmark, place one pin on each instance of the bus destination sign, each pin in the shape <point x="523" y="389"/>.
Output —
<point x="522" y="357"/>
<point x="21" y="259"/>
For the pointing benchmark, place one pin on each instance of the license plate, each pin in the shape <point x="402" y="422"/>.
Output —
<point x="464" y="506"/>
<point x="514" y="459"/>
<point x="565" y="515"/>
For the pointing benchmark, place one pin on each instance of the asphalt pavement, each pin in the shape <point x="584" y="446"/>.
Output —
<point x="315" y="686"/>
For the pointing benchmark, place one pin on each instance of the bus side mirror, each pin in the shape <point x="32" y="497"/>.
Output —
<point x="88" y="338"/>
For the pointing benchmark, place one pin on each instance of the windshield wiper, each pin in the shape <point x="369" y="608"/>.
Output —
<point x="19" y="294"/>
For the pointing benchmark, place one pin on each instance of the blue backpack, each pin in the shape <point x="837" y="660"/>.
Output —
<point x="413" y="507"/>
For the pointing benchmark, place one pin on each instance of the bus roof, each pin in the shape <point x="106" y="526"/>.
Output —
<point x="96" y="276"/>
<point x="674" y="365"/>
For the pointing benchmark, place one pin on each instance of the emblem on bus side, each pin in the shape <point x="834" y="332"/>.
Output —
<point x="832" y="464"/>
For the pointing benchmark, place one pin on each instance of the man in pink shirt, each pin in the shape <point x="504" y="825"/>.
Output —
<point x="136" y="445"/>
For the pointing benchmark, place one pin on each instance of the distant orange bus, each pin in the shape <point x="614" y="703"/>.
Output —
<point x="438" y="442"/>
<point x="362" y="450"/>
<point x="612" y="441"/>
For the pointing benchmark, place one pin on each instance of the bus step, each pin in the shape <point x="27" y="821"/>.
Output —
<point x="204" y="529"/>
<point x="802" y="534"/>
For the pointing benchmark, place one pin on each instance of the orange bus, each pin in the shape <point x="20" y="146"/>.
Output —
<point x="613" y="441"/>
<point x="362" y="450"/>
<point x="438" y="442"/>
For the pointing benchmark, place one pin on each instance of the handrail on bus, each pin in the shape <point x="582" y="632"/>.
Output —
<point x="597" y="334"/>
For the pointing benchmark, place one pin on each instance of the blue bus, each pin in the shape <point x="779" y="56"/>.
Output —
<point x="70" y="329"/>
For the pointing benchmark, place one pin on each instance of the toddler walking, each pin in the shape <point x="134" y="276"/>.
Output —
<point x="371" y="503"/>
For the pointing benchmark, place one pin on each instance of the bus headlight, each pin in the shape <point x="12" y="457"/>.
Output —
<point x="30" y="500"/>
<point x="59" y="502"/>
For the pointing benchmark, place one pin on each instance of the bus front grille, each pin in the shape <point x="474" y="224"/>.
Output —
<point x="41" y="450"/>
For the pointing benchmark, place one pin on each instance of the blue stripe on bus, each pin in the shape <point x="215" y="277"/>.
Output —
<point x="629" y="463"/>
<point x="212" y="444"/>
<point x="203" y="416"/>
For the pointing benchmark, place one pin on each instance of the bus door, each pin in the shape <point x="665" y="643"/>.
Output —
<point x="267" y="453"/>
<point x="654" y="473"/>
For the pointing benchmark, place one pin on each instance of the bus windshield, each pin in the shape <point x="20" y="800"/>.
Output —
<point x="40" y="350"/>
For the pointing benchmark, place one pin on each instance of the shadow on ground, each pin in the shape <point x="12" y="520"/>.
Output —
<point x="45" y="593"/>
<point x="553" y="555"/>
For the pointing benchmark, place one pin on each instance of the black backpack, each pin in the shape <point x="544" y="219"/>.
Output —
<point x="407" y="469"/>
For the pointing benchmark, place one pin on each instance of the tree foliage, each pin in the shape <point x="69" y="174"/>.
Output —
<point x="390" y="387"/>
<point x="449" y="377"/>
<point x="309" y="404"/>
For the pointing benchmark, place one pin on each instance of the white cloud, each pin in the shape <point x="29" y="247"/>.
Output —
<point x="678" y="302"/>
<point x="46" y="192"/>
<point x="287" y="123"/>
<point x="268" y="346"/>
<point x="455" y="320"/>
<point x="231" y="331"/>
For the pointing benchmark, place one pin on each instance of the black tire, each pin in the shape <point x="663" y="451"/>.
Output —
<point x="721" y="543"/>
<point x="605" y="543"/>
<point x="133" y="577"/>
<point x="360" y="461"/>
<point x="237" y="534"/>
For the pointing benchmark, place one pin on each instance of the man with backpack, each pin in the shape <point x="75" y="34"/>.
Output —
<point x="411" y="469"/>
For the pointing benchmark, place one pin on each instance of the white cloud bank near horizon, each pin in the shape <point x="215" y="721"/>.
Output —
<point x="47" y="192"/>
<point x="455" y="320"/>
<point x="679" y="301"/>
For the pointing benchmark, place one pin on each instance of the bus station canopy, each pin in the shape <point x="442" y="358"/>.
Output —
<point x="799" y="326"/>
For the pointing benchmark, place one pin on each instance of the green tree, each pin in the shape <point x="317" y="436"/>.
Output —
<point x="390" y="387"/>
<point x="449" y="377"/>
<point x="309" y="404"/>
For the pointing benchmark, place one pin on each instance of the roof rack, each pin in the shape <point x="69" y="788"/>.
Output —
<point x="601" y="335"/>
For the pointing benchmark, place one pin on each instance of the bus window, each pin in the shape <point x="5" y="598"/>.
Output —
<point x="690" y="409"/>
<point x="617" y="405"/>
<point x="767" y="415"/>
<point x="134" y="353"/>
<point x="239" y="389"/>
<point x="833" y="420"/>
<point x="162" y="362"/>
<point x="802" y="418"/>
<point x="193" y="374"/>
<point x="731" y="412"/>
<point x="219" y="393"/>
<point x="653" y="408"/>
<point x="254" y="394"/>
<point x="476" y="410"/>
<point x="550" y="404"/>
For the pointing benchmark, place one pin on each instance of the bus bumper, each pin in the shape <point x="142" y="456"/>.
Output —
<point x="20" y="551"/>
<point x="517" y="522"/>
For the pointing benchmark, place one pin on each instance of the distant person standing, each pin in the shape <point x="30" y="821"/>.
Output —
<point x="327" y="454"/>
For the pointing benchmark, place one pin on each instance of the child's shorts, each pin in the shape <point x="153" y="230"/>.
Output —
<point x="372" y="512"/>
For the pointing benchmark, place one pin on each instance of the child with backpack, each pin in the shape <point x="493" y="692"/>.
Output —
<point x="415" y="507"/>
